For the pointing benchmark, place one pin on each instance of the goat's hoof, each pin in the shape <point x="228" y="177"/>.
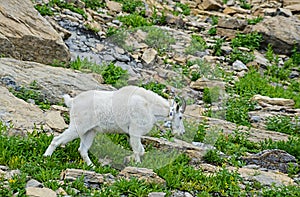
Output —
<point x="127" y="159"/>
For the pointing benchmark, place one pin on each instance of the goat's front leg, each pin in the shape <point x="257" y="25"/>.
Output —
<point x="137" y="147"/>
<point x="67" y="136"/>
<point x="86" y="142"/>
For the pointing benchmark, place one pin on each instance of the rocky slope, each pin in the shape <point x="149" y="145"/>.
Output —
<point x="30" y="43"/>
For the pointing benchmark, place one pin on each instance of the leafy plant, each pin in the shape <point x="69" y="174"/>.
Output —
<point x="251" y="40"/>
<point x="131" y="6"/>
<point x="217" y="47"/>
<point x="44" y="9"/>
<point x="201" y="132"/>
<point x="134" y="20"/>
<point x="283" y="124"/>
<point x="237" y="110"/>
<point x="277" y="72"/>
<point x="94" y="4"/>
<point x="114" y="75"/>
<point x="243" y="56"/>
<point x="214" y="19"/>
<point x="256" y="20"/>
<point x="253" y="83"/>
<point x="213" y="157"/>
<point x="245" y="5"/>
<point x="212" y="31"/>
<point x="185" y="9"/>
<point x="156" y="87"/>
<point x="211" y="95"/>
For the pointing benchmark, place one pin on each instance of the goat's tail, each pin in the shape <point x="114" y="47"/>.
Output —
<point x="68" y="100"/>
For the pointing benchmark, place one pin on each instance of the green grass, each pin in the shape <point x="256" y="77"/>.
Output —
<point x="31" y="92"/>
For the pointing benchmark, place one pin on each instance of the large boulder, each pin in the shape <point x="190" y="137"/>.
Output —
<point x="53" y="82"/>
<point x="26" y="35"/>
<point x="281" y="32"/>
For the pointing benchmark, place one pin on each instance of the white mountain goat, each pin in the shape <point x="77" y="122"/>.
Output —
<point x="130" y="110"/>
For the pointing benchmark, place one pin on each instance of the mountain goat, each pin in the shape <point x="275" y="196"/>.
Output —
<point x="132" y="110"/>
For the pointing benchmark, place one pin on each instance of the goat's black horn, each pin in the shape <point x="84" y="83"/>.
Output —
<point x="183" y="105"/>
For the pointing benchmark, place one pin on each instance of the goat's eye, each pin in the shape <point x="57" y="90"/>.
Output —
<point x="180" y="117"/>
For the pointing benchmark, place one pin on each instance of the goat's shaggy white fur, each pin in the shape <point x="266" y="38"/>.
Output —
<point x="130" y="110"/>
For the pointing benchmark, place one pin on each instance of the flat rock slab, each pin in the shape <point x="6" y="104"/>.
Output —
<point x="26" y="35"/>
<point x="145" y="174"/>
<point x="90" y="177"/>
<point x="40" y="192"/>
<point x="265" y="178"/>
<point x="52" y="81"/>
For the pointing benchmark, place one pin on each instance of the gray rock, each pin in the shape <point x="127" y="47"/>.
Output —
<point x="26" y="35"/>
<point x="40" y="192"/>
<point x="157" y="194"/>
<point x="239" y="66"/>
<point x="272" y="159"/>
<point x="282" y="39"/>
<point x="33" y="183"/>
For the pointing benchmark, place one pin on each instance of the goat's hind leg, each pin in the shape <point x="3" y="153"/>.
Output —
<point x="86" y="142"/>
<point x="67" y="136"/>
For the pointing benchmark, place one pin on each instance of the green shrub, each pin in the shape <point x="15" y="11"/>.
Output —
<point x="131" y="6"/>
<point x="94" y="4"/>
<point x="245" y="5"/>
<point x="211" y="95"/>
<point x="197" y="44"/>
<point x="158" y="38"/>
<point x="217" y="47"/>
<point x="114" y="75"/>
<point x="200" y="133"/>
<point x="44" y="10"/>
<point x="157" y="19"/>
<point x="213" y="157"/>
<point x="156" y="87"/>
<point x="277" y="72"/>
<point x="215" y="20"/>
<point x="134" y="20"/>
<point x="243" y="56"/>
<point x="283" y="124"/>
<point x="212" y="31"/>
<point x="185" y="9"/>
<point x="237" y="110"/>
<point x="292" y="146"/>
<point x="255" y="20"/>
<point x="251" y="40"/>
